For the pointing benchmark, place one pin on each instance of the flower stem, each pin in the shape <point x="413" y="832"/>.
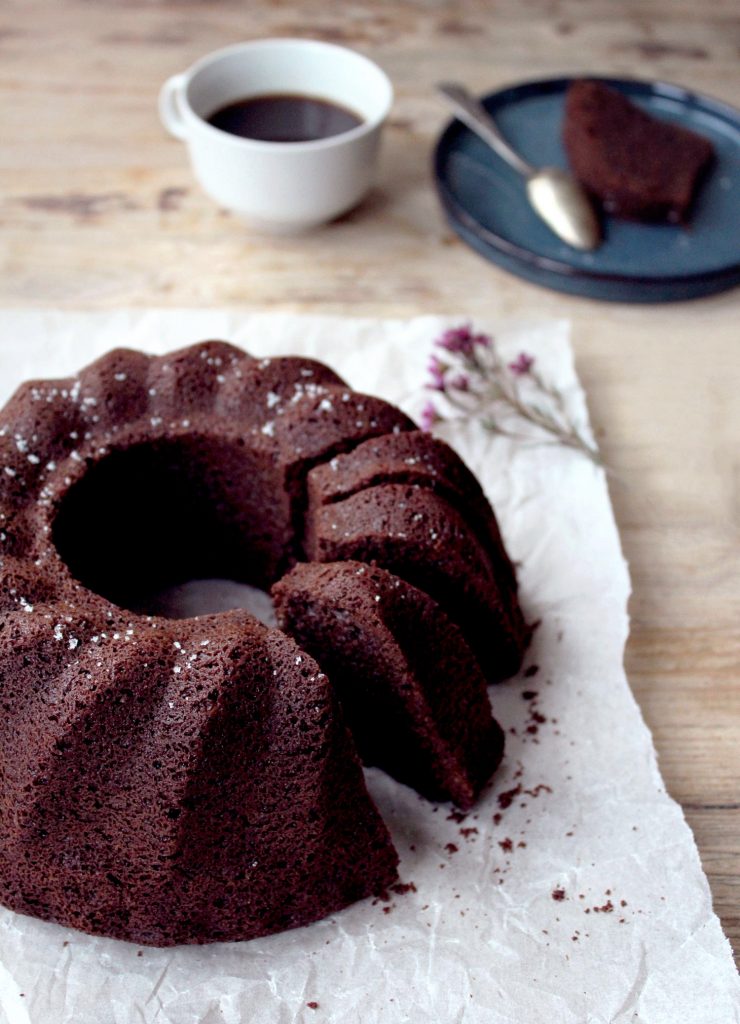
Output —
<point x="478" y="384"/>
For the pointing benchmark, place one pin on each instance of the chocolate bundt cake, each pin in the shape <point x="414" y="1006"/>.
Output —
<point x="413" y="694"/>
<point x="636" y="165"/>
<point x="170" y="781"/>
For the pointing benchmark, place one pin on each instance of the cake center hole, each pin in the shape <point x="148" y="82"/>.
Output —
<point x="178" y="527"/>
<point x="207" y="597"/>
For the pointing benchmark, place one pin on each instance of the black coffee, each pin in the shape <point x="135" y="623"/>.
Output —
<point x="284" y="118"/>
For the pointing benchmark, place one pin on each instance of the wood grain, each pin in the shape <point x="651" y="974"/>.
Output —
<point x="98" y="210"/>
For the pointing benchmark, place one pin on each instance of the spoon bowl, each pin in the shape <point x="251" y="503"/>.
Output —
<point x="554" y="194"/>
<point x="562" y="204"/>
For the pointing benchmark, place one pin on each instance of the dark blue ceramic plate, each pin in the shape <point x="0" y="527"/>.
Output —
<point x="487" y="206"/>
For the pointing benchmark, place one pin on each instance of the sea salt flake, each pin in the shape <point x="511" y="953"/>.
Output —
<point x="120" y="376"/>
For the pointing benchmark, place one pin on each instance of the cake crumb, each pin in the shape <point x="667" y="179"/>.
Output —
<point x="507" y="798"/>
<point x="403" y="887"/>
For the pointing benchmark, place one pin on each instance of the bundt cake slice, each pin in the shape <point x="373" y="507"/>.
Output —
<point x="323" y="424"/>
<point x="180" y="782"/>
<point x="413" y="694"/>
<point x="416" y="534"/>
<point x="636" y="165"/>
<point x="418" y="458"/>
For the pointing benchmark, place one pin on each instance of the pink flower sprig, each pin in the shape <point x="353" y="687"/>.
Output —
<point x="473" y="381"/>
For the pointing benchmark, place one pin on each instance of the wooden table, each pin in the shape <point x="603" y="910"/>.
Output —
<point x="98" y="210"/>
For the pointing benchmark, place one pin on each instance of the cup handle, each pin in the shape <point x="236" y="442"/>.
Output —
<point x="170" y="106"/>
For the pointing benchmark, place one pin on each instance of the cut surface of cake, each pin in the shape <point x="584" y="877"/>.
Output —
<point x="636" y="165"/>
<point x="413" y="694"/>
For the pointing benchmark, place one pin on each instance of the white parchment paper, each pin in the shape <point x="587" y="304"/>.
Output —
<point x="572" y="894"/>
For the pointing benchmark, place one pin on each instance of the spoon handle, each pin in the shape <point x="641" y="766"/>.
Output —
<point x="476" y="117"/>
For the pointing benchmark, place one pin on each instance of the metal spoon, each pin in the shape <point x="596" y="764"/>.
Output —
<point x="554" y="194"/>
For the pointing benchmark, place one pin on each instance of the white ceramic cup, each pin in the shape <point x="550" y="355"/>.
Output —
<point x="280" y="186"/>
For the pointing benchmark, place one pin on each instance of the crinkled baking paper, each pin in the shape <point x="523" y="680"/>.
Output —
<point x="572" y="894"/>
